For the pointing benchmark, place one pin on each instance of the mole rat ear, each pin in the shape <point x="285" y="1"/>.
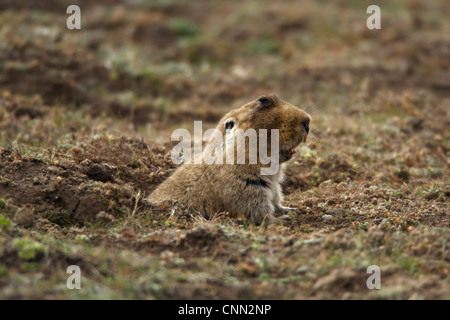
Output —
<point x="229" y="123"/>
<point x="264" y="102"/>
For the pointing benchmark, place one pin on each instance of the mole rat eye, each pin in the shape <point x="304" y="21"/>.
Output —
<point x="263" y="102"/>
<point x="229" y="124"/>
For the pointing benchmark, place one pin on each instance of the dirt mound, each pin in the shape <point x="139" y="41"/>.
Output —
<point x="85" y="180"/>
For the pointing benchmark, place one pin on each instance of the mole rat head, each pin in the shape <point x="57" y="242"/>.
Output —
<point x="270" y="112"/>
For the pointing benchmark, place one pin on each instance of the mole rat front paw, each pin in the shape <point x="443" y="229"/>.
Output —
<point x="281" y="209"/>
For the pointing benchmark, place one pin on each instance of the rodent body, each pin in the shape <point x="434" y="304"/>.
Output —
<point x="241" y="188"/>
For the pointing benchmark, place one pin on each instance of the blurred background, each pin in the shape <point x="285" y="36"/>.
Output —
<point x="156" y="63"/>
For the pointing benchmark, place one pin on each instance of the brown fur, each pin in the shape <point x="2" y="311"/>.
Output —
<point x="240" y="188"/>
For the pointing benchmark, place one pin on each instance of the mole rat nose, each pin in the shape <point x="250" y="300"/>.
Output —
<point x="305" y="124"/>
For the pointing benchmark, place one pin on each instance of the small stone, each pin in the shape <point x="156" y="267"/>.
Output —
<point x="415" y="123"/>
<point x="86" y="162"/>
<point x="327" y="217"/>
<point x="331" y="202"/>
<point x="24" y="217"/>
<point x="301" y="270"/>
<point x="166" y="254"/>
<point x="308" y="203"/>
<point x="431" y="195"/>
<point x="105" y="218"/>
<point x="337" y="212"/>
<point x="384" y="224"/>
